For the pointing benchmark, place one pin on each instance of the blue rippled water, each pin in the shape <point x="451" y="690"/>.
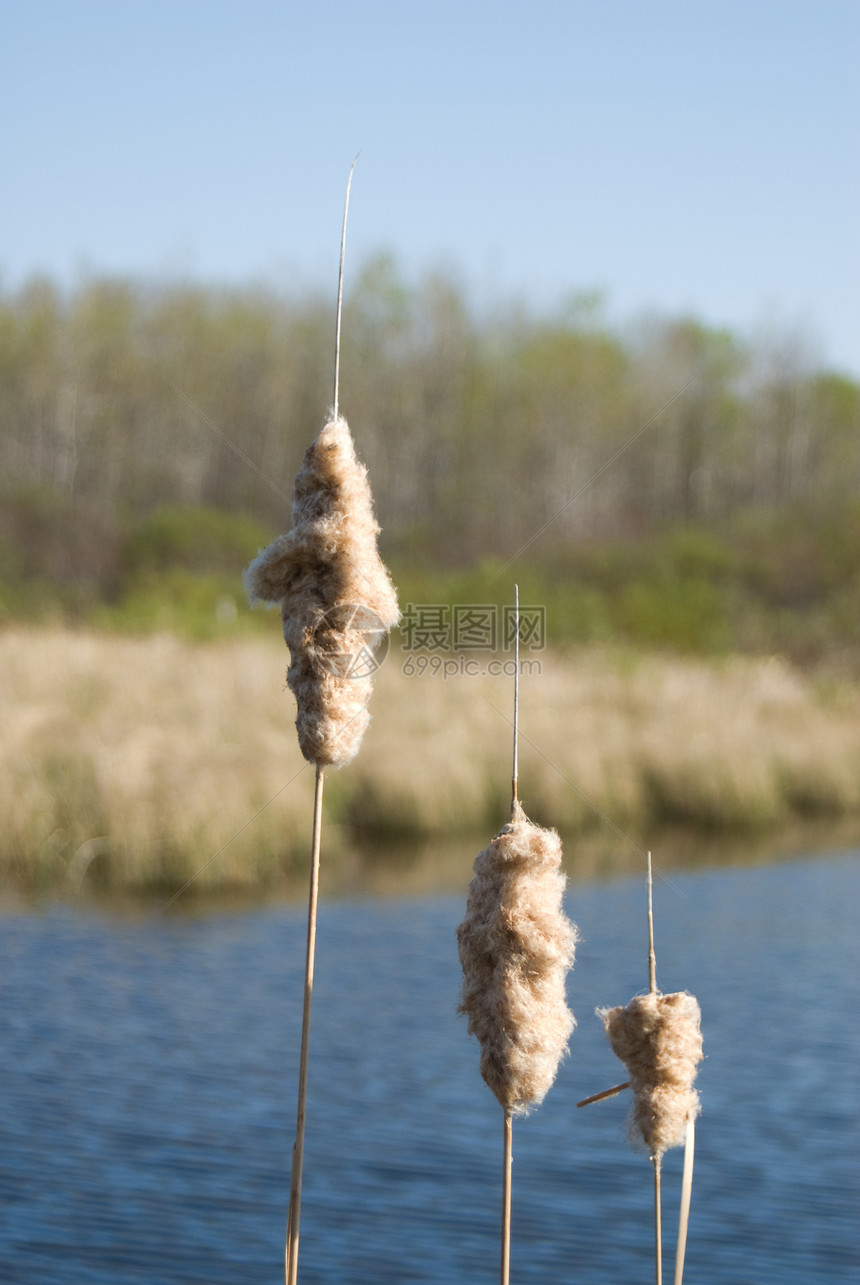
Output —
<point x="148" y="1092"/>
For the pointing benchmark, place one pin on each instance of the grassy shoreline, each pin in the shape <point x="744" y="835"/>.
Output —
<point x="129" y="763"/>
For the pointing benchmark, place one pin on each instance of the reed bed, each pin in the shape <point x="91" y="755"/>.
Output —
<point x="127" y="763"/>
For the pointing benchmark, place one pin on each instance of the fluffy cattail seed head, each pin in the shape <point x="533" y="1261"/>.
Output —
<point x="659" y="1039"/>
<point x="335" y="594"/>
<point x="516" y="946"/>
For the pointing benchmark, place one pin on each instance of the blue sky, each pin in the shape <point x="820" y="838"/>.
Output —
<point x="680" y="157"/>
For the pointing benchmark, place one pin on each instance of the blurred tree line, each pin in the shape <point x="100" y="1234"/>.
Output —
<point x="120" y="401"/>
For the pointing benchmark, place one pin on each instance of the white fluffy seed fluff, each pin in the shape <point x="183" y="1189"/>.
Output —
<point x="516" y="946"/>
<point x="335" y="594"/>
<point x="659" y="1039"/>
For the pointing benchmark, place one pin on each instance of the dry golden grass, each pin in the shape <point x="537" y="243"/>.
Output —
<point x="128" y="763"/>
<point x="131" y="761"/>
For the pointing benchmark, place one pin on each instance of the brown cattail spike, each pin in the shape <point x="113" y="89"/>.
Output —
<point x="516" y="946"/>
<point x="335" y="594"/>
<point x="658" y="1038"/>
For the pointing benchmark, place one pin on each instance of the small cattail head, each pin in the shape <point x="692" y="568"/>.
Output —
<point x="659" y="1039"/>
<point x="516" y="946"/>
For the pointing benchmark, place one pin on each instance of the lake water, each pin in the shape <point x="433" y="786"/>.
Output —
<point x="148" y="1068"/>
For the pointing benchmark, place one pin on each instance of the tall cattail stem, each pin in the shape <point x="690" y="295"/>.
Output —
<point x="292" y="1253"/>
<point x="652" y="958"/>
<point x="656" y="1160"/>
<point x="686" y="1193"/>
<point x="340" y="294"/>
<point x="658" y="1038"/>
<point x="289" y="1225"/>
<point x="515" y="766"/>
<point x="506" y="1198"/>
<point x="658" y="1223"/>
<point x="516" y="945"/>
<point x="336" y="600"/>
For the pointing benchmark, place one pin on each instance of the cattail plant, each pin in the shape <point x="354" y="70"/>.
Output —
<point x="337" y="601"/>
<point x="658" y="1037"/>
<point x="516" y="946"/>
<point x="335" y="594"/>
